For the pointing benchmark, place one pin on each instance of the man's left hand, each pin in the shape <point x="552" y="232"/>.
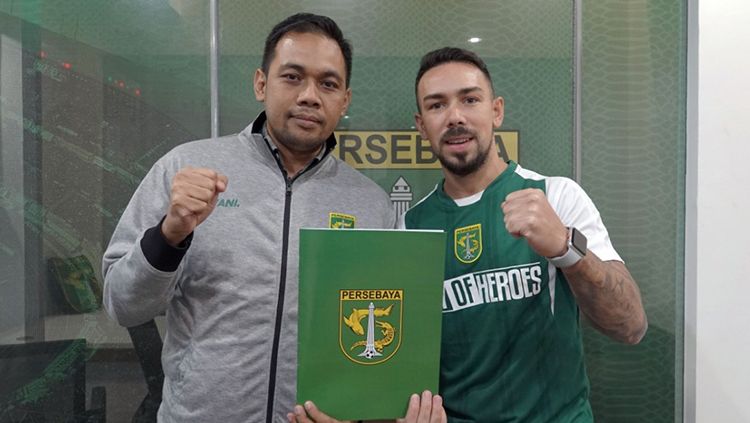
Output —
<point x="310" y="414"/>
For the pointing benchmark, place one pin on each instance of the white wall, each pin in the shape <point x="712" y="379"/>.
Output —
<point x="721" y="192"/>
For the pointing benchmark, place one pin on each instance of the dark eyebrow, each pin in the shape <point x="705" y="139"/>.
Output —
<point x="461" y="92"/>
<point x="330" y="73"/>
<point x="293" y="66"/>
<point x="469" y="90"/>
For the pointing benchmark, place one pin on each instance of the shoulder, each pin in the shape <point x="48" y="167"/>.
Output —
<point x="358" y="192"/>
<point x="207" y="152"/>
<point x="560" y="190"/>
<point x="207" y="146"/>
<point x="344" y="174"/>
<point x="427" y="202"/>
<point x="425" y="207"/>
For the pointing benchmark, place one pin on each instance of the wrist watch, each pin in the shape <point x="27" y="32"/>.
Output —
<point x="576" y="249"/>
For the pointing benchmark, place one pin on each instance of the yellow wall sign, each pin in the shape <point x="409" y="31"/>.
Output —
<point x="403" y="149"/>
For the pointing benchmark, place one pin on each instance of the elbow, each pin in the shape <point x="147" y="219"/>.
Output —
<point x="636" y="335"/>
<point x="634" y="339"/>
<point x="125" y="318"/>
<point x="123" y="310"/>
<point x="117" y="313"/>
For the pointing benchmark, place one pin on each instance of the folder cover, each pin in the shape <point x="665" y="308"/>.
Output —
<point x="370" y="313"/>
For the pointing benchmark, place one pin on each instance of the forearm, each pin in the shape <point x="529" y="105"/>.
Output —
<point x="139" y="278"/>
<point x="607" y="294"/>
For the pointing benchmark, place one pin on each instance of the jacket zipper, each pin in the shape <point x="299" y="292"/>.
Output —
<point x="282" y="284"/>
<point x="280" y="301"/>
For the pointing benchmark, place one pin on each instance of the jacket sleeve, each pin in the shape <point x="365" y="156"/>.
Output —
<point x="138" y="285"/>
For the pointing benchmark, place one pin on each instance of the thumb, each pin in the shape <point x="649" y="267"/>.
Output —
<point x="221" y="183"/>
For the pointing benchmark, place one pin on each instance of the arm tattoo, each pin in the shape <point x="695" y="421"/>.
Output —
<point x="607" y="294"/>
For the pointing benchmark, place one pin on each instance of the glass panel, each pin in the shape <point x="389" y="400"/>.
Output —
<point x="633" y="168"/>
<point x="92" y="94"/>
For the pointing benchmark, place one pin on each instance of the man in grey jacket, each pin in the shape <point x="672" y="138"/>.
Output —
<point x="210" y="237"/>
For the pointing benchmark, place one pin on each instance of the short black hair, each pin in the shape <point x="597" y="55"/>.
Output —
<point x="307" y="23"/>
<point x="447" y="55"/>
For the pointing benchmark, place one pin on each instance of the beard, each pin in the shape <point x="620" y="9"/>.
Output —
<point x="461" y="164"/>
<point x="299" y="142"/>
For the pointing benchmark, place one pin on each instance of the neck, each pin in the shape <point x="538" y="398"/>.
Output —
<point x="295" y="161"/>
<point x="457" y="186"/>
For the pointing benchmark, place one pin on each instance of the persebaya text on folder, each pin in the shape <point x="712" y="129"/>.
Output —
<point x="369" y="319"/>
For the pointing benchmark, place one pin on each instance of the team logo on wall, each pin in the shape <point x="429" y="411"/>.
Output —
<point x="370" y="324"/>
<point x="341" y="221"/>
<point x="468" y="243"/>
<point x="401" y="196"/>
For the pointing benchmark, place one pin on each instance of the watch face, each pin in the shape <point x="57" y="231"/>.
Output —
<point x="578" y="241"/>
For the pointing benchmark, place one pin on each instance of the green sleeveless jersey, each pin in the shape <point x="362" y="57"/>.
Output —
<point x="511" y="343"/>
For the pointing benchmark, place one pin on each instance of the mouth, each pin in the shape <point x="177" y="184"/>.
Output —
<point x="457" y="136"/>
<point x="457" y="140"/>
<point x="306" y="118"/>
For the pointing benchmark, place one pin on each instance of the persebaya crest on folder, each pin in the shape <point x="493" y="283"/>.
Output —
<point x="370" y="326"/>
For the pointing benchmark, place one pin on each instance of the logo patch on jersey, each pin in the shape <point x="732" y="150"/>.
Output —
<point x="468" y="243"/>
<point x="341" y="221"/>
<point x="370" y="324"/>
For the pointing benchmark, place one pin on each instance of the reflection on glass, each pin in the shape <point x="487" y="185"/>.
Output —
<point x="92" y="94"/>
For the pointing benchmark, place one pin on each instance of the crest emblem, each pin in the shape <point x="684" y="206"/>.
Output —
<point x="468" y="243"/>
<point x="341" y="221"/>
<point x="370" y="324"/>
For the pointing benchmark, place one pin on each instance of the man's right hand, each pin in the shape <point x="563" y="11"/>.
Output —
<point x="195" y="192"/>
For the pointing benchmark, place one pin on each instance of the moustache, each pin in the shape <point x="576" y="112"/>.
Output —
<point x="305" y="114"/>
<point x="456" y="131"/>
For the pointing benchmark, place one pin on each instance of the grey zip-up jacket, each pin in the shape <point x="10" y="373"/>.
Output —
<point x="230" y="295"/>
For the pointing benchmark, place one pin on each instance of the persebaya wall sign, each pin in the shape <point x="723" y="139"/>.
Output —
<point x="403" y="149"/>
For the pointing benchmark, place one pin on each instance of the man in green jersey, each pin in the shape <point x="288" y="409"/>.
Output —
<point x="525" y="253"/>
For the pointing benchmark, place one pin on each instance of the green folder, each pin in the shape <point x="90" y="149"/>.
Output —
<point x="370" y="313"/>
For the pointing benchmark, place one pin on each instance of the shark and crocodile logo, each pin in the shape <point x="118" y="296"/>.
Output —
<point x="370" y="324"/>
<point x="341" y="221"/>
<point x="468" y="243"/>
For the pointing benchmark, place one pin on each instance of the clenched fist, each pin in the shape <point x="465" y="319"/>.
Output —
<point x="194" y="194"/>
<point x="528" y="214"/>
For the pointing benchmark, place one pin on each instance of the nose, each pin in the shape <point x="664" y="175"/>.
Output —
<point x="455" y="116"/>
<point x="309" y="96"/>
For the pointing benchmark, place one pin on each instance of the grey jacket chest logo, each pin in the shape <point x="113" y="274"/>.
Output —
<point x="228" y="202"/>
